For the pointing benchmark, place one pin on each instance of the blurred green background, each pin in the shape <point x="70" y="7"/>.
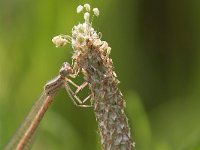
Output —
<point x="155" y="49"/>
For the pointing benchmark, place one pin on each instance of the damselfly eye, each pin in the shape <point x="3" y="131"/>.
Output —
<point x="65" y="69"/>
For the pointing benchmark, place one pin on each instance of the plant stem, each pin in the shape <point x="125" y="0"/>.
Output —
<point x="109" y="105"/>
<point x="91" y="56"/>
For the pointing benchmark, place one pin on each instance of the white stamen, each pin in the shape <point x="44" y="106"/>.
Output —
<point x="87" y="7"/>
<point x="87" y="17"/>
<point x="59" y="41"/>
<point x="96" y="11"/>
<point x="79" y="9"/>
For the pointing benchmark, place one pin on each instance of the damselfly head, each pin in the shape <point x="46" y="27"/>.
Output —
<point x="65" y="69"/>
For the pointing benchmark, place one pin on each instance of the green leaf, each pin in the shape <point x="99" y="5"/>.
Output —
<point x="138" y="121"/>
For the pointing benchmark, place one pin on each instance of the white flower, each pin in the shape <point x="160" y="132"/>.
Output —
<point x="80" y="39"/>
<point x="87" y="17"/>
<point x="79" y="9"/>
<point x="104" y="45"/>
<point x="74" y="34"/>
<point x="85" y="25"/>
<point x="97" y="42"/>
<point x="96" y="11"/>
<point x="80" y="28"/>
<point x="59" y="41"/>
<point x="87" y="7"/>
<point x="108" y="50"/>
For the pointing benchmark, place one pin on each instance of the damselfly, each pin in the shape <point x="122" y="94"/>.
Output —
<point x="22" y="137"/>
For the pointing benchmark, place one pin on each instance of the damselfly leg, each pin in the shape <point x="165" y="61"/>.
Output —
<point x="73" y="95"/>
<point x="75" y="99"/>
